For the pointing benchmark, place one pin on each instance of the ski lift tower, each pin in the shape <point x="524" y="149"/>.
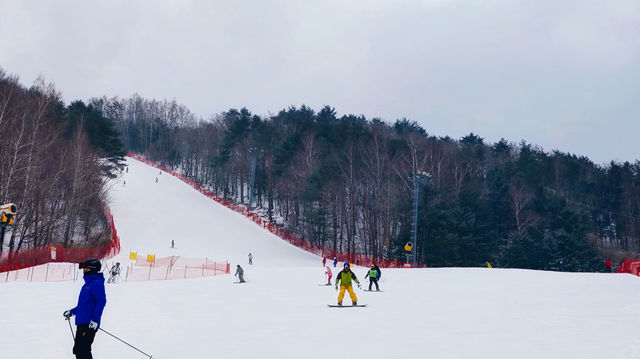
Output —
<point x="418" y="178"/>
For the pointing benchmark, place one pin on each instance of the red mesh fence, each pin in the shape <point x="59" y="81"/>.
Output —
<point x="630" y="266"/>
<point x="361" y="259"/>
<point x="25" y="258"/>
<point x="175" y="267"/>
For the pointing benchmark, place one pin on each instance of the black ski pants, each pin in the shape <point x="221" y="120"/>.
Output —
<point x="373" y="281"/>
<point x="84" y="339"/>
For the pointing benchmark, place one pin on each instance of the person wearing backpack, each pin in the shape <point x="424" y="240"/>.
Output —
<point x="373" y="277"/>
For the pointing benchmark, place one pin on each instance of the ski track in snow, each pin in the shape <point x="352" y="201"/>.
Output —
<point x="282" y="311"/>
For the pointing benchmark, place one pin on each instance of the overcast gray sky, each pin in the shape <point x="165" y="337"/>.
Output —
<point x="561" y="74"/>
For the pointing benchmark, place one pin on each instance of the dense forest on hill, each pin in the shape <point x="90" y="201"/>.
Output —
<point x="345" y="182"/>
<point x="54" y="161"/>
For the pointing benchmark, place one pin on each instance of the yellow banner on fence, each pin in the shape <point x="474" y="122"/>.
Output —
<point x="133" y="255"/>
<point x="151" y="258"/>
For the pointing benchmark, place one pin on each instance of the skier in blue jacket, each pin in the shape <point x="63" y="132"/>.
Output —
<point x="88" y="312"/>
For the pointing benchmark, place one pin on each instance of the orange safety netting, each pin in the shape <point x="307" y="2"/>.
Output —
<point x="175" y="267"/>
<point x="31" y="257"/>
<point x="50" y="272"/>
<point x="361" y="259"/>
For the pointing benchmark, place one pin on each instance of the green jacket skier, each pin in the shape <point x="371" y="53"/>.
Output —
<point x="344" y="277"/>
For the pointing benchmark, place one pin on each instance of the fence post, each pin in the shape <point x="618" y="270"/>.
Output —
<point x="202" y="271"/>
<point x="185" y="270"/>
<point x="46" y="276"/>
<point x="149" y="272"/>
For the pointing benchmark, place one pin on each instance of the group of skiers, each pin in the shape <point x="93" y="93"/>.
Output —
<point x="240" y="271"/>
<point x="92" y="298"/>
<point x="346" y="276"/>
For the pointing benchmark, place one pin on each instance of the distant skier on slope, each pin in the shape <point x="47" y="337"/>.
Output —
<point x="373" y="277"/>
<point x="91" y="302"/>
<point x="335" y="262"/>
<point x="324" y="261"/>
<point x="240" y="274"/>
<point x="329" y="275"/>
<point x="114" y="273"/>
<point x="344" y="278"/>
<point x="250" y="258"/>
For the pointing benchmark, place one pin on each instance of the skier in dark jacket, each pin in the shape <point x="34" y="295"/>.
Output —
<point x="240" y="274"/>
<point x="88" y="312"/>
<point x="377" y="270"/>
<point x="373" y="277"/>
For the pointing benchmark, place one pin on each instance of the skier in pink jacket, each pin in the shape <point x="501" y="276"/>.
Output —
<point x="329" y="274"/>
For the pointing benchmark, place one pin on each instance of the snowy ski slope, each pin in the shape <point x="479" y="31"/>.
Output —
<point x="281" y="312"/>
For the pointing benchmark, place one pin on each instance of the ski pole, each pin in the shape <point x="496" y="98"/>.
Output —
<point x="150" y="356"/>
<point x="71" y="329"/>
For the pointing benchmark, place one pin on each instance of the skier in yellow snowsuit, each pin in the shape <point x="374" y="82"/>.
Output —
<point x="346" y="275"/>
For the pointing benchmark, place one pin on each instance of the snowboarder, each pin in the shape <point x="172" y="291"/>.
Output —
<point x="173" y="244"/>
<point x="324" y="261"/>
<point x="114" y="273"/>
<point x="344" y="278"/>
<point x="329" y="275"/>
<point x="156" y="179"/>
<point x="373" y="277"/>
<point x="250" y="258"/>
<point x="240" y="274"/>
<point x="335" y="262"/>
<point x="91" y="302"/>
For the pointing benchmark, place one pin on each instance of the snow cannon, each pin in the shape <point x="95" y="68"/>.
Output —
<point x="408" y="247"/>
<point x="7" y="211"/>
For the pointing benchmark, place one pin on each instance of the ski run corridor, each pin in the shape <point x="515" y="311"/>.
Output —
<point x="282" y="311"/>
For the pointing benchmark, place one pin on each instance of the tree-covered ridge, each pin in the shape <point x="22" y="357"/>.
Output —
<point x="344" y="182"/>
<point x="53" y="162"/>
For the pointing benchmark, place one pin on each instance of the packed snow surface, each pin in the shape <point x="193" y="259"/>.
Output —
<point x="282" y="311"/>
